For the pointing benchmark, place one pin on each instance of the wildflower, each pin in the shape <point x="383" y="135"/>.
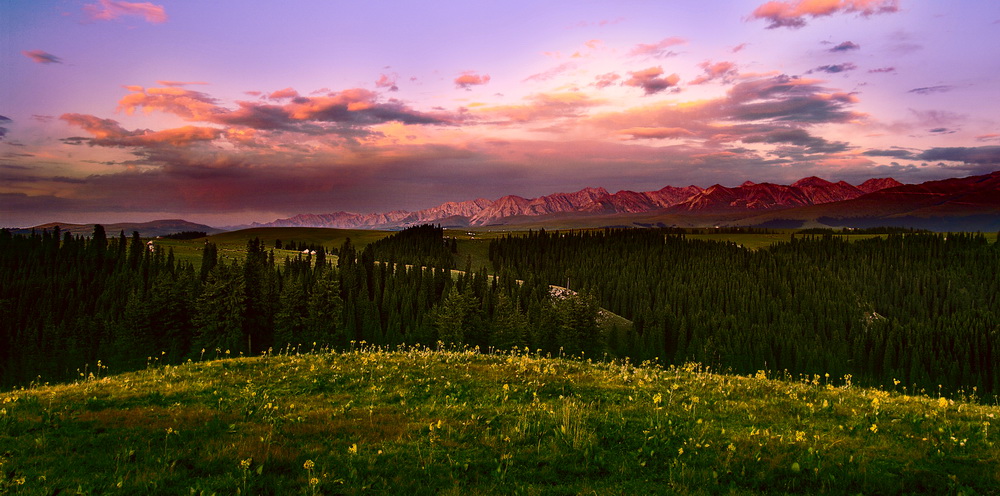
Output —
<point x="313" y="481"/>
<point x="873" y="428"/>
<point x="308" y="465"/>
<point x="943" y="402"/>
<point x="245" y="464"/>
<point x="353" y="449"/>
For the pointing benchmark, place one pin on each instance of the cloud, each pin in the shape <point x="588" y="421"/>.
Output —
<point x="789" y="99"/>
<point x="387" y="81"/>
<point x="894" y="153"/>
<point x="469" y="79"/>
<point x="179" y="83"/>
<point x="551" y="73"/>
<point x="108" y="132"/>
<point x="928" y="90"/>
<point x="659" y="49"/>
<point x="834" y="69"/>
<point x="42" y="57"/>
<point x="650" y="80"/>
<point x="798" y="137"/>
<point x="283" y="94"/>
<point x="882" y="70"/>
<point x="739" y="48"/>
<point x="982" y="155"/>
<point x="605" y="80"/>
<point x="793" y="13"/>
<point x="981" y="137"/>
<point x="845" y="47"/>
<point x="346" y="113"/>
<point x="724" y="71"/>
<point x="107" y="10"/>
<point x="541" y="107"/>
<point x="3" y="130"/>
<point x="656" y="132"/>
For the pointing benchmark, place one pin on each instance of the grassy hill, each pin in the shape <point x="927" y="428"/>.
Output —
<point x="456" y="422"/>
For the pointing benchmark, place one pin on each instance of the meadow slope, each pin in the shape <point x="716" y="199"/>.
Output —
<point x="458" y="422"/>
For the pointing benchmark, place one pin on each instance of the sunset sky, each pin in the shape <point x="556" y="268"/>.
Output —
<point x="229" y="112"/>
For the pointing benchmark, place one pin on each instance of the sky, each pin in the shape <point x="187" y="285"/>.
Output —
<point x="230" y="112"/>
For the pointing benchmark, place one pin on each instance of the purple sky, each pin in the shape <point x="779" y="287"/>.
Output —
<point x="228" y="112"/>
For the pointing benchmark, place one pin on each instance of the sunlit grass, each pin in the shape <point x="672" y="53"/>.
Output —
<point x="427" y="422"/>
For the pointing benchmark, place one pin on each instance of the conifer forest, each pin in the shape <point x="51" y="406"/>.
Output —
<point x="914" y="311"/>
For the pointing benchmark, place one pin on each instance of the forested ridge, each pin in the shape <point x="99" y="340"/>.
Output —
<point x="906" y="310"/>
<point x="909" y="310"/>
<point x="72" y="305"/>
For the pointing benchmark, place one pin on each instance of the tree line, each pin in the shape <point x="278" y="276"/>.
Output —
<point x="917" y="310"/>
<point x="70" y="302"/>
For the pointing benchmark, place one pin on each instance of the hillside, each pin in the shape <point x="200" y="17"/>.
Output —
<point x="435" y="422"/>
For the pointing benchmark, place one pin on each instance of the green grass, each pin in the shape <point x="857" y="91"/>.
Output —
<point x="457" y="422"/>
<point x="232" y="245"/>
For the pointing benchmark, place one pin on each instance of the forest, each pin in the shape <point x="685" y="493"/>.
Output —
<point x="918" y="311"/>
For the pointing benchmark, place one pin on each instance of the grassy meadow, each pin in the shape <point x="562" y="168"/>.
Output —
<point x="457" y="422"/>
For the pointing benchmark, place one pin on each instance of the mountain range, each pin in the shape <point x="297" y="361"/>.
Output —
<point x="877" y="199"/>
<point x="961" y="204"/>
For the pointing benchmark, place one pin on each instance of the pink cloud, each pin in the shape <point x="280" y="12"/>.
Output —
<point x="551" y="73"/>
<point x="882" y="70"/>
<point x="469" y="79"/>
<point x="724" y="71"/>
<point x="107" y="10"/>
<point x="656" y="132"/>
<point x="41" y="57"/>
<point x="657" y="50"/>
<point x="605" y="80"/>
<point x="179" y="83"/>
<point x="387" y="81"/>
<point x="650" y="80"/>
<point x="793" y="14"/>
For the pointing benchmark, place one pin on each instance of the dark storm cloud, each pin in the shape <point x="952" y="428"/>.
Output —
<point x="798" y="137"/>
<point x="788" y="99"/>
<point x="981" y="155"/>
<point x="896" y="153"/>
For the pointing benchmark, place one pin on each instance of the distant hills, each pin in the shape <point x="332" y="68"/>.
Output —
<point x="971" y="203"/>
<point x="145" y="229"/>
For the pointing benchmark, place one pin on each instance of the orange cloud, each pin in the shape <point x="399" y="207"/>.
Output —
<point x="285" y="93"/>
<point x="793" y="14"/>
<point x="470" y="78"/>
<point x="41" y="57"/>
<point x="542" y="107"/>
<point x="107" y="10"/>
<point x="107" y="132"/>
<point x="191" y="105"/>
